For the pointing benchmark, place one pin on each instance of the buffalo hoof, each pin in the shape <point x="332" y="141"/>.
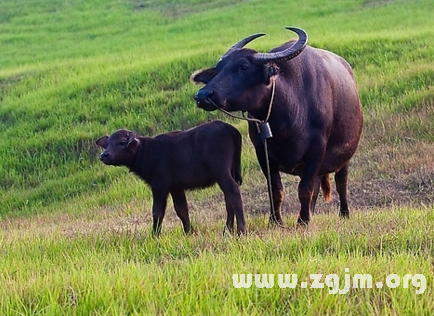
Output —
<point x="191" y="231"/>
<point x="241" y="233"/>
<point x="302" y="222"/>
<point x="344" y="214"/>
<point x="275" y="221"/>
<point x="228" y="231"/>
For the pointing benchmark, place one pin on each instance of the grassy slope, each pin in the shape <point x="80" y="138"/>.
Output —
<point x="72" y="71"/>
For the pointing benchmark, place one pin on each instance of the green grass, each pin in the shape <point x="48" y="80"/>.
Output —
<point x="118" y="269"/>
<point x="74" y="233"/>
<point x="73" y="71"/>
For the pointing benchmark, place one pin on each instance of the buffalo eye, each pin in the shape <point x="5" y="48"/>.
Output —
<point x="244" y="67"/>
<point x="123" y="143"/>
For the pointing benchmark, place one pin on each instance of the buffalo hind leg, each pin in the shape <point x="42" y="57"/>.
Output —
<point x="315" y="194"/>
<point x="181" y="209"/>
<point x="158" y="210"/>
<point x="341" y="179"/>
<point x="321" y="182"/>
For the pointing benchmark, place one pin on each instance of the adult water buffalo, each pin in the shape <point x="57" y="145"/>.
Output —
<point x="309" y="98"/>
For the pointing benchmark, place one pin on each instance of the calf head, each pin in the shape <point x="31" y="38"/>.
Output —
<point x="120" y="148"/>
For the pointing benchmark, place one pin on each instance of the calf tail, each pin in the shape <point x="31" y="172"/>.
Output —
<point x="325" y="186"/>
<point x="236" y="166"/>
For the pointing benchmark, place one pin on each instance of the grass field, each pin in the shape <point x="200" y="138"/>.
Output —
<point x="74" y="234"/>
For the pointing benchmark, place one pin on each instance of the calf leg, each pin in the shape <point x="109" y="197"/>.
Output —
<point x="341" y="178"/>
<point x="158" y="210"/>
<point x="230" y="218"/>
<point x="234" y="203"/>
<point x="181" y="209"/>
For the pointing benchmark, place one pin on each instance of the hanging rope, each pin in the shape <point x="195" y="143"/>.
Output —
<point x="270" y="189"/>
<point x="273" y="82"/>
<point x="264" y="129"/>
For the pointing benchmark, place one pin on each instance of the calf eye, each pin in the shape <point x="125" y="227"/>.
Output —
<point x="123" y="143"/>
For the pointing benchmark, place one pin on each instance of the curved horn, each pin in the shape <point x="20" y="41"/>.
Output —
<point x="243" y="43"/>
<point x="287" y="54"/>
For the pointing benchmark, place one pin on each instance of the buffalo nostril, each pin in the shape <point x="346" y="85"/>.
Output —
<point x="203" y="95"/>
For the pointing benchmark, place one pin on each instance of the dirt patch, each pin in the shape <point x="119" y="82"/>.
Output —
<point x="7" y="82"/>
<point x="174" y="9"/>
<point x="376" y="3"/>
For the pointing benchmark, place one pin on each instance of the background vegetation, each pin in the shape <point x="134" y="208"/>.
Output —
<point x="74" y="233"/>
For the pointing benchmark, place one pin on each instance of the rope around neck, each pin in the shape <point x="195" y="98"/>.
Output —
<point x="273" y="82"/>
<point x="273" y="89"/>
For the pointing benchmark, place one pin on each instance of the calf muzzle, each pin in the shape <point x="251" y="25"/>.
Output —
<point x="105" y="157"/>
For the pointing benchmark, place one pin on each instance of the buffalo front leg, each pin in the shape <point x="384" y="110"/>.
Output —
<point x="308" y="187"/>
<point x="277" y="199"/>
<point x="275" y="181"/>
<point x="158" y="210"/>
<point x="305" y="192"/>
<point x="181" y="209"/>
<point x="341" y="179"/>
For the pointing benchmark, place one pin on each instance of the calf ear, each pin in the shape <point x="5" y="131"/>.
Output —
<point x="102" y="141"/>
<point x="133" y="141"/>
<point x="203" y="75"/>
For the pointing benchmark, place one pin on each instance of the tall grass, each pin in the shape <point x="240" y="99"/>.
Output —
<point x="122" y="270"/>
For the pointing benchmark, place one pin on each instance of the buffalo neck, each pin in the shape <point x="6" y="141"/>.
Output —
<point x="263" y="113"/>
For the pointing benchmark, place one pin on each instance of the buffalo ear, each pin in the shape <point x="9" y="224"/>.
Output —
<point x="102" y="141"/>
<point x="203" y="75"/>
<point x="270" y="71"/>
